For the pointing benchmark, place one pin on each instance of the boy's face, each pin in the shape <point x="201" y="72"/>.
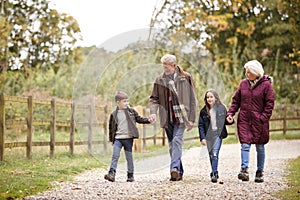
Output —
<point x="123" y="104"/>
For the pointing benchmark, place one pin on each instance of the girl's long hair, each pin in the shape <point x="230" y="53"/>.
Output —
<point x="216" y="95"/>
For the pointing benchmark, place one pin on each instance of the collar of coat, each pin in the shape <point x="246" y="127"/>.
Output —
<point x="256" y="82"/>
<point x="179" y="75"/>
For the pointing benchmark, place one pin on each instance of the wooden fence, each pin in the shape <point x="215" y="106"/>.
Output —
<point x="285" y="119"/>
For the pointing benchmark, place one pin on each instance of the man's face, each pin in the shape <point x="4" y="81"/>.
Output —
<point x="169" y="68"/>
<point x="123" y="104"/>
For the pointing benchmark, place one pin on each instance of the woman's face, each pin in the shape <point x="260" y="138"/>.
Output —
<point x="210" y="98"/>
<point x="249" y="75"/>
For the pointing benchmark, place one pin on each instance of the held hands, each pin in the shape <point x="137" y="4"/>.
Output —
<point x="152" y="118"/>
<point x="229" y="118"/>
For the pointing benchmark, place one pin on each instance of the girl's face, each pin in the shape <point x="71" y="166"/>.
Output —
<point x="210" y="98"/>
<point x="249" y="75"/>
<point x="123" y="104"/>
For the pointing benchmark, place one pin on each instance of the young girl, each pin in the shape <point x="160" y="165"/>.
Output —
<point x="212" y="129"/>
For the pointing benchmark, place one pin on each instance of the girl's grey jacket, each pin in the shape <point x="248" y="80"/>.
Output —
<point x="132" y="117"/>
<point x="204" y="122"/>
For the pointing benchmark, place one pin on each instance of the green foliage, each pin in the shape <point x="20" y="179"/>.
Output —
<point x="40" y="37"/>
<point x="236" y="31"/>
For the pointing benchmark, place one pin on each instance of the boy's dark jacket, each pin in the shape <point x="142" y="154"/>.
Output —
<point x="204" y="122"/>
<point x="132" y="117"/>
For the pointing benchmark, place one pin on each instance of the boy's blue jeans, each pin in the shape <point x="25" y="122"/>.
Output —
<point x="245" y="154"/>
<point x="175" y="139"/>
<point x="118" y="144"/>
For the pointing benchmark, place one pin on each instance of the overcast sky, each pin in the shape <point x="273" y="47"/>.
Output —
<point x="101" y="20"/>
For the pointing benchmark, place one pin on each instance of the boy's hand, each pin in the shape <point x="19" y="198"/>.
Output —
<point x="152" y="118"/>
<point x="203" y="142"/>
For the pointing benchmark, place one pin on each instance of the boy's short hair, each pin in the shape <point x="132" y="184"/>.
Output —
<point x="120" y="96"/>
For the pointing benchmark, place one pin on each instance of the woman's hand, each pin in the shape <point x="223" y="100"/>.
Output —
<point x="229" y="119"/>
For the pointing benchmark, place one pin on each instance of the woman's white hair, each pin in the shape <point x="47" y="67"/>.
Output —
<point x="255" y="67"/>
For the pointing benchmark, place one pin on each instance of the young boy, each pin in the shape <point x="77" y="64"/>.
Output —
<point x="122" y="131"/>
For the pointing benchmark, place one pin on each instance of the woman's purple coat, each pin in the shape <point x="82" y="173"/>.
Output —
<point x="256" y="107"/>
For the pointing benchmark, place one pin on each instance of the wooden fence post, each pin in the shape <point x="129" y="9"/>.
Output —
<point x="29" y="127"/>
<point x="154" y="137"/>
<point x="284" y="119"/>
<point x="163" y="137"/>
<point x="2" y="126"/>
<point x="105" y="130"/>
<point x="90" y="129"/>
<point x="53" y="127"/>
<point x="72" y="128"/>
<point x="144" y="132"/>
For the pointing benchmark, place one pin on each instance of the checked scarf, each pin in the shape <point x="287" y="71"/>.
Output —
<point x="177" y="110"/>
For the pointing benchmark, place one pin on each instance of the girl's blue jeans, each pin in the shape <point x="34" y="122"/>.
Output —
<point x="245" y="155"/>
<point x="214" y="153"/>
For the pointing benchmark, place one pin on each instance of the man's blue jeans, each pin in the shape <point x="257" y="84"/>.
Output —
<point x="245" y="155"/>
<point x="118" y="144"/>
<point x="175" y="139"/>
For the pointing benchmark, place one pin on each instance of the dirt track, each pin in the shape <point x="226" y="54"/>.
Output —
<point x="152" y="177"/>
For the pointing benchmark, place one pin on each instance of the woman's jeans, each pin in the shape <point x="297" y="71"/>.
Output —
<point x="213" y="151"/>
<point x="245" y="154"/>
<point x="118" y="144"/>
<point x="175" y="139"/>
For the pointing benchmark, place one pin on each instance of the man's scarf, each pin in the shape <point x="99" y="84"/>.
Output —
<point x="178" y="110"/>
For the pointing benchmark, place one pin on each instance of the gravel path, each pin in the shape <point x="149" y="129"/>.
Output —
<point x="152" y="177"/>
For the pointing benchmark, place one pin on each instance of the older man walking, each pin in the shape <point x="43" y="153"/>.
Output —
<point x="174" y="96"/>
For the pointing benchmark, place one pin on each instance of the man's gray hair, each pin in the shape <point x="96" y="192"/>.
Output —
<point x="168" y="58"/>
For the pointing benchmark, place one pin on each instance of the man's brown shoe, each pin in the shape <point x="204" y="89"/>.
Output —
<point x="174" y="174"/>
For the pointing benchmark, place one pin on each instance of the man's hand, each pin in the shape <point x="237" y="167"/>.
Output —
<point x="152" y="118"/>
<point x="203" y="142"/>
<point x="189" y="125"/>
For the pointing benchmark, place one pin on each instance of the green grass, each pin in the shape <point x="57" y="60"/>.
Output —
<point x="21" y="177"/>
<point x="289" y="136"/>
<point x="293" y="178"/>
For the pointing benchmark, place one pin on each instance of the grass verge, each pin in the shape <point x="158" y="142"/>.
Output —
<point x="293" y="178"/>
<point x="21" y="177"/>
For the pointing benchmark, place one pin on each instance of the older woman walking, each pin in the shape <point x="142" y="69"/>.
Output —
<point x="255" y="100"/>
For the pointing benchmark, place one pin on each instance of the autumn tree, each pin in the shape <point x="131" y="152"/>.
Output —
<point x="235" y="31"/>
<point x="35" y="36"/>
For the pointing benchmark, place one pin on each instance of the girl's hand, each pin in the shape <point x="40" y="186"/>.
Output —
<point x="203" y="142"/>
<point x="229" y="119"/>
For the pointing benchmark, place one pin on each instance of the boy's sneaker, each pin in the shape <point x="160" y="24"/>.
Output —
<point x="130" y="177"/>
<point x="243" y="175"/>
<point x="110" y="176"/>
<point x="259" y="177"/>
<point x="174" y="175"/>
<point x="214" y="177"/>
